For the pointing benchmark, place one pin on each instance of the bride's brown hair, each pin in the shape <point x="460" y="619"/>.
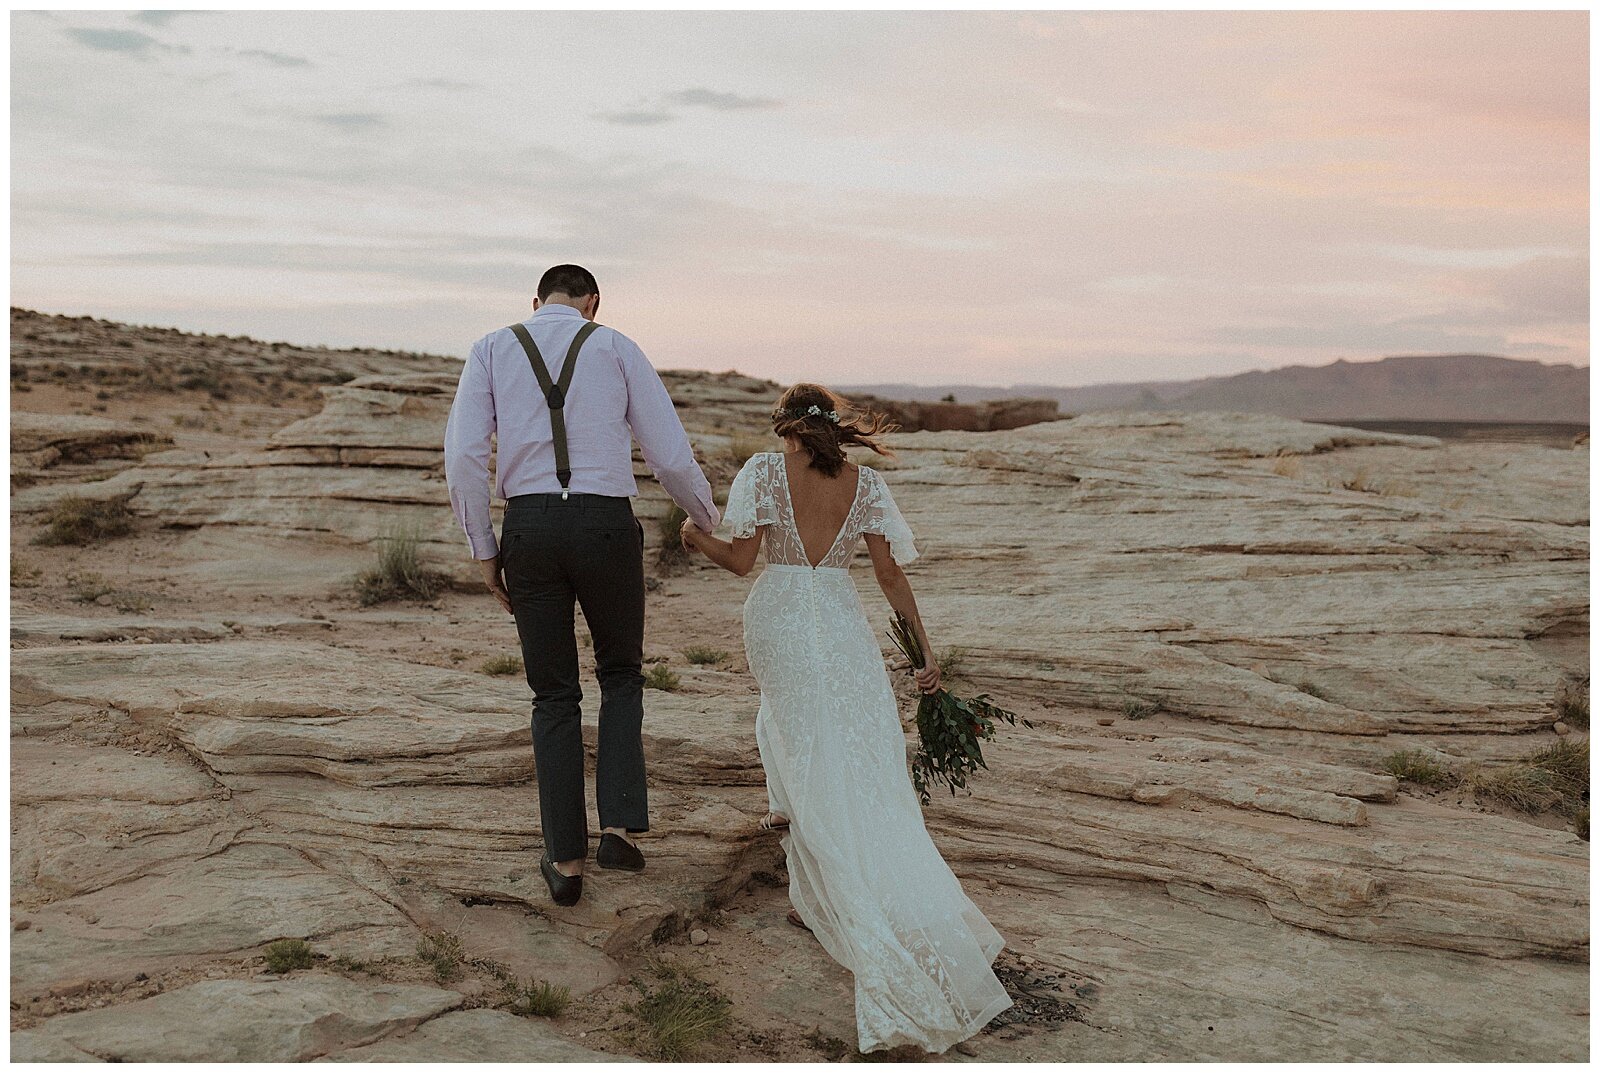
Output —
<point x="823" y="437"/>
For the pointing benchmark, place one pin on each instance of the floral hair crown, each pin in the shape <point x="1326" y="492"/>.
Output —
<point x="810" y="411"/>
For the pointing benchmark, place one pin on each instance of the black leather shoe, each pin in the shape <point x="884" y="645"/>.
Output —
<point x="564" y="889"/>
<point x="616" y="852"/>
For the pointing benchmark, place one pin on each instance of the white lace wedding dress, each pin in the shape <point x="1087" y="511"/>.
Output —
<point x="863" y="872"/>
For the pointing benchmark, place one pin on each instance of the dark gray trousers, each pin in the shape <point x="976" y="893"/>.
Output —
<point x="588" y="549"/>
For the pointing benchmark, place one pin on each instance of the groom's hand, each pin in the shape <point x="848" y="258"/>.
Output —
<point x="491" y="577"/>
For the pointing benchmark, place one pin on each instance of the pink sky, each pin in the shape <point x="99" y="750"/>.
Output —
<point x="1001" y="197"/>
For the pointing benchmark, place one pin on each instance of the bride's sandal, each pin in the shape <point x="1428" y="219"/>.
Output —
<point x="794" y="918"/>
<point x="768" y="822"/>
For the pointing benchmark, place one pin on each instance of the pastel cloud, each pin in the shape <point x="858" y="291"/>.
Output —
<point x="1063" y="197"/>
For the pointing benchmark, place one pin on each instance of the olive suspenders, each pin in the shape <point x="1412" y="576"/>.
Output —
<point x="556" y="393"/>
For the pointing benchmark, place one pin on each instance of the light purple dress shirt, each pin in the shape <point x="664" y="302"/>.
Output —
<point x="615" y="396"/>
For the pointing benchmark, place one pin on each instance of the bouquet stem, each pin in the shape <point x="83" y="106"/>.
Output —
<point x="949" y="728"/>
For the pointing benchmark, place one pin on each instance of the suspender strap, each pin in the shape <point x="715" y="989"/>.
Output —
<point x="556" y="393"/>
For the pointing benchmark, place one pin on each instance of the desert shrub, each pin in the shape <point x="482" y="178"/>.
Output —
<point x="502" y="665"/>
<point x="286" y="954"/>
<point x="679" y="1013"/>
<point x="80" y="520"/>
<point x="399" y="572"/>
<point x="700" y="655"/>
<point x="662" y="677"/>
<point x="441" y="951"/>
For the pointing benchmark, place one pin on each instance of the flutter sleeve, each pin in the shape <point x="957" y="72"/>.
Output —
<point x="884" y="518"/>
<point x="750" y="498"/>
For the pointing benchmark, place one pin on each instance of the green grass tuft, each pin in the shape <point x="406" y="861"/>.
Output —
<point x="541" y="999"/>
<point x="286" y="954"/>
<point x="662" y="677"/>
<point x="442" y="951"/>
<point x="700" y="655"/>
<point x="680" y="1013"/>
<point x="1417" y="766"/>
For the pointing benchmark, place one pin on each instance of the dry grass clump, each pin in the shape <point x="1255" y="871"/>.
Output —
<point x="1572" y="701"/>
<point x="499" y="665"/>
<point x="742" y="445"/>
<point x="1554" y="778"/>
<point x="81" y="520"/>
<point x="1362" y="480"/>
<point x="24" y="575"/>
<point x="672" y="553"/>
<point x="399" y="573"/>
<point x="700" y="655"/>
<point x="1137" y="708"/>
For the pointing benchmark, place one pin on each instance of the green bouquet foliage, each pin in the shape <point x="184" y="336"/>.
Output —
<point x="949" y="727"/>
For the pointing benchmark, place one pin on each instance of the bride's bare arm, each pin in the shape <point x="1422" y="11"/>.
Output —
<point x="897" y="590"/>
<point x="739" y="556"/>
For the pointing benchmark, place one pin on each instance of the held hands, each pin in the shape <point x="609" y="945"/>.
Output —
<point x="687" y="532"/>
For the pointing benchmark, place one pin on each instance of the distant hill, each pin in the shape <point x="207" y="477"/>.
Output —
<point x="1433" y="387"/>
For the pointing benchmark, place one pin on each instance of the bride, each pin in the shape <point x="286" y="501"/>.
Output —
<point x="864" y="876"/>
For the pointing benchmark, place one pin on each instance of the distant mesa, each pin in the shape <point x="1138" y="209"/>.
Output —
<point x="941" y="416"/>
<point x="1413" y="387"/>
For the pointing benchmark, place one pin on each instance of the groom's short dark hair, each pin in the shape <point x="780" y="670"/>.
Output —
<point x="574" y="281"/>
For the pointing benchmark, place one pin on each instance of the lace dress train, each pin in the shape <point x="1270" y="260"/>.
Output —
<point x="863" y="871"/>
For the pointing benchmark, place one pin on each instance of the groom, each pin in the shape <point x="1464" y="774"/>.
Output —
<point x="563" y="394"/>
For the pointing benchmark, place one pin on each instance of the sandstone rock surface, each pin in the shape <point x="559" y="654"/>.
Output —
<point x="1220" y="624"/>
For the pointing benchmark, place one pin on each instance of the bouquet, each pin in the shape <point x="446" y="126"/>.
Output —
<point x="950" y="727"/>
